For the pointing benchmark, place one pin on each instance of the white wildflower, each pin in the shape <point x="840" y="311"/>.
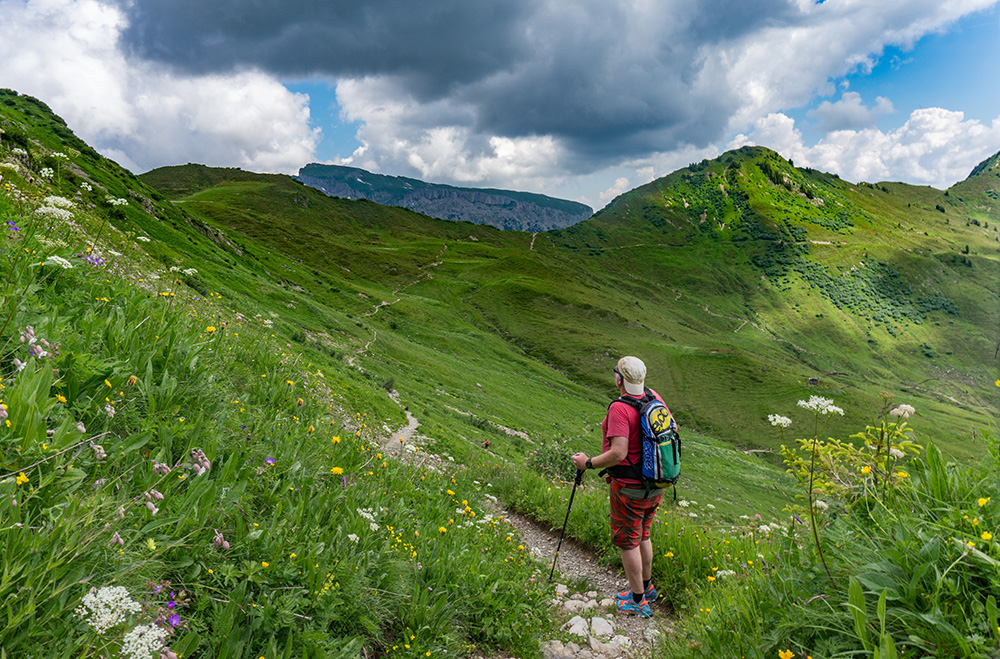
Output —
<point x="190" y="272"/>
<point x="903" y="410"/>
<point x="710" y="506"/>
<point x="116" y="201"/>
<point x="86" y="187"/>
<point x="46" y="172"/>
<point x="60" y="154"/>
<point x="778" y="420"/>
<point x="821" y="405"/>
<point x="61" y="202"/>
<point x="103" y="609"/>
<point x="724" y="573"/>
<point x="366" y="513"/>
<point x="896" y="453"/>
<point x="18" y="151"/>
<point x="692" y="514"/>
<point x="683" y="504"/>
<point x="353" y="537"/>
<point x="820" y="505"/>
<point x="373" y="526"/>
<point x="143" y="642"/>
<point x="60" y="261"/>
<point x="54" y="212"/>
<point x="144" y="239"/>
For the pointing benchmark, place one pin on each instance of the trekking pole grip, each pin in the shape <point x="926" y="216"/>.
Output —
<point x="579" y="476"/>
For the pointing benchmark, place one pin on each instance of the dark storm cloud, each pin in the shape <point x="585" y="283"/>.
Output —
<point x="610" y="80"/>
<point x="434" y="45"/>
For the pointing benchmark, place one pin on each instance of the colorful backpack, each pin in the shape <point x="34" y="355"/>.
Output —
<point x="661" y="445"/>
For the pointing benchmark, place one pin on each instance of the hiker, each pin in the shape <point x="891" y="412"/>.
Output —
<point x="632" y="505"/>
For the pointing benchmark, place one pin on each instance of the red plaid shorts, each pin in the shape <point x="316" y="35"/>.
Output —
<point x="631" y="518"/>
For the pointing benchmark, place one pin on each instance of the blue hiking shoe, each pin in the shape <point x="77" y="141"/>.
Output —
<point x="650" y="594"/>
<point x="630" y="608"/>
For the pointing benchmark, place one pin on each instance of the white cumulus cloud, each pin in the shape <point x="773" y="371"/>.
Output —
<point x="65" y="52"/>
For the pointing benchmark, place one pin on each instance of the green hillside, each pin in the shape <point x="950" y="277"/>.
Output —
<point x="737" y="280"/>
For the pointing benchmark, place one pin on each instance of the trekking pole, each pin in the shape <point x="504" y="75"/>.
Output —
<point x="579" y="477"/>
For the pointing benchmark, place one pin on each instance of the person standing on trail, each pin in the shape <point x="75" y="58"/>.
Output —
<point x="632" y="505"/>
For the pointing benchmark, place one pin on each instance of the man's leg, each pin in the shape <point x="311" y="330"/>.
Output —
<point x="646" y="553"/>
<point x="632" y="563"/>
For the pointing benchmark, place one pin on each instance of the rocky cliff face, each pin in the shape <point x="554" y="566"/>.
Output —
<point x="516" y="211"/>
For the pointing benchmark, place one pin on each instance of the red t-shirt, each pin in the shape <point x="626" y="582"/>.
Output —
<point x="622" y="420"/>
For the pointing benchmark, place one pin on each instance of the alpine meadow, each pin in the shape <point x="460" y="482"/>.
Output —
<point x="202" y="371"/>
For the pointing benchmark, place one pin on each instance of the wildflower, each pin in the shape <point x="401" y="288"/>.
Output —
<point x="866" y="470"/>
<point x="60" y="398"/>
<point x="902" y="474"/>
<point x="174" y="620"/>
<point x="335" y="440"/>
<point x="60" y="261"/>
<point x="117" y="539"/>
<point x="269" y="461"/>
<point x="778" y="420"/>
<point x="219" y="541"/>
<point x="903" y="410"/>
<point x="21" y="478"/>
<point x="336" y="471"/>
<point x="210" y="329"/>
<point x="265" y="564"/>
<point x="986" y="535"/>
<point x="442" y="529"/>
<point x="711" y="578"/>
<point x="132" y="379"/>
<point x="352" y="537"/>
<point x="109" y="409"/>
<point x="786" y="654"/>
<point x="142" y="238"/>
<point x="152" y="508"/>
<point x="983" y="502"/>
<point x="161" y="468"/>
<point x="896" y="453"/>
<point x="669" y="554"/>
<point x="107" y="607"/>
<point x="143" y="641"/>
<point x="821" y="405"/>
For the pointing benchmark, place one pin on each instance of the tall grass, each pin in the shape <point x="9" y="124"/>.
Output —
<point x="155" y="440"/>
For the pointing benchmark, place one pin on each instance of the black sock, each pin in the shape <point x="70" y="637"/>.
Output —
<point x="646" y="584"/>
<point x="636" y="597"/>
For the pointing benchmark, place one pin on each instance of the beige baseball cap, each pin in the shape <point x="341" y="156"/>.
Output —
<point x="633" y="373"/>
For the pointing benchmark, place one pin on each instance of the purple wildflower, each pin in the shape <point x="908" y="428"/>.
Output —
<point x="269" y="461"/>
<point x="11" y="226"/>
<point x="174" y="620"/>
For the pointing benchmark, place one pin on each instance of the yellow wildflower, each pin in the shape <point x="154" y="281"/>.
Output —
<point x="21" y="478"/>
<point x="264" y="564"/>
<point x="336" y="471"/>
<point x="442" y="529"/>
<point x="866" y="470"/>
<point x="786" y="654"/>
<point x="209" y="329"/>
<point x="986" y="535"/>
<point x="60" y="398"/>
<point x="983" y="502"/>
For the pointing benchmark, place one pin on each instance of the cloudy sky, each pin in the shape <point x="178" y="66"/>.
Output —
<point x="581" y="99"/>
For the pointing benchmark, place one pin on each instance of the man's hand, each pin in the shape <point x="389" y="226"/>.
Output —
<point x="579" y="461"/>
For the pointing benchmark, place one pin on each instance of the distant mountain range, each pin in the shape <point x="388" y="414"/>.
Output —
<point x="504" y="209"/>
